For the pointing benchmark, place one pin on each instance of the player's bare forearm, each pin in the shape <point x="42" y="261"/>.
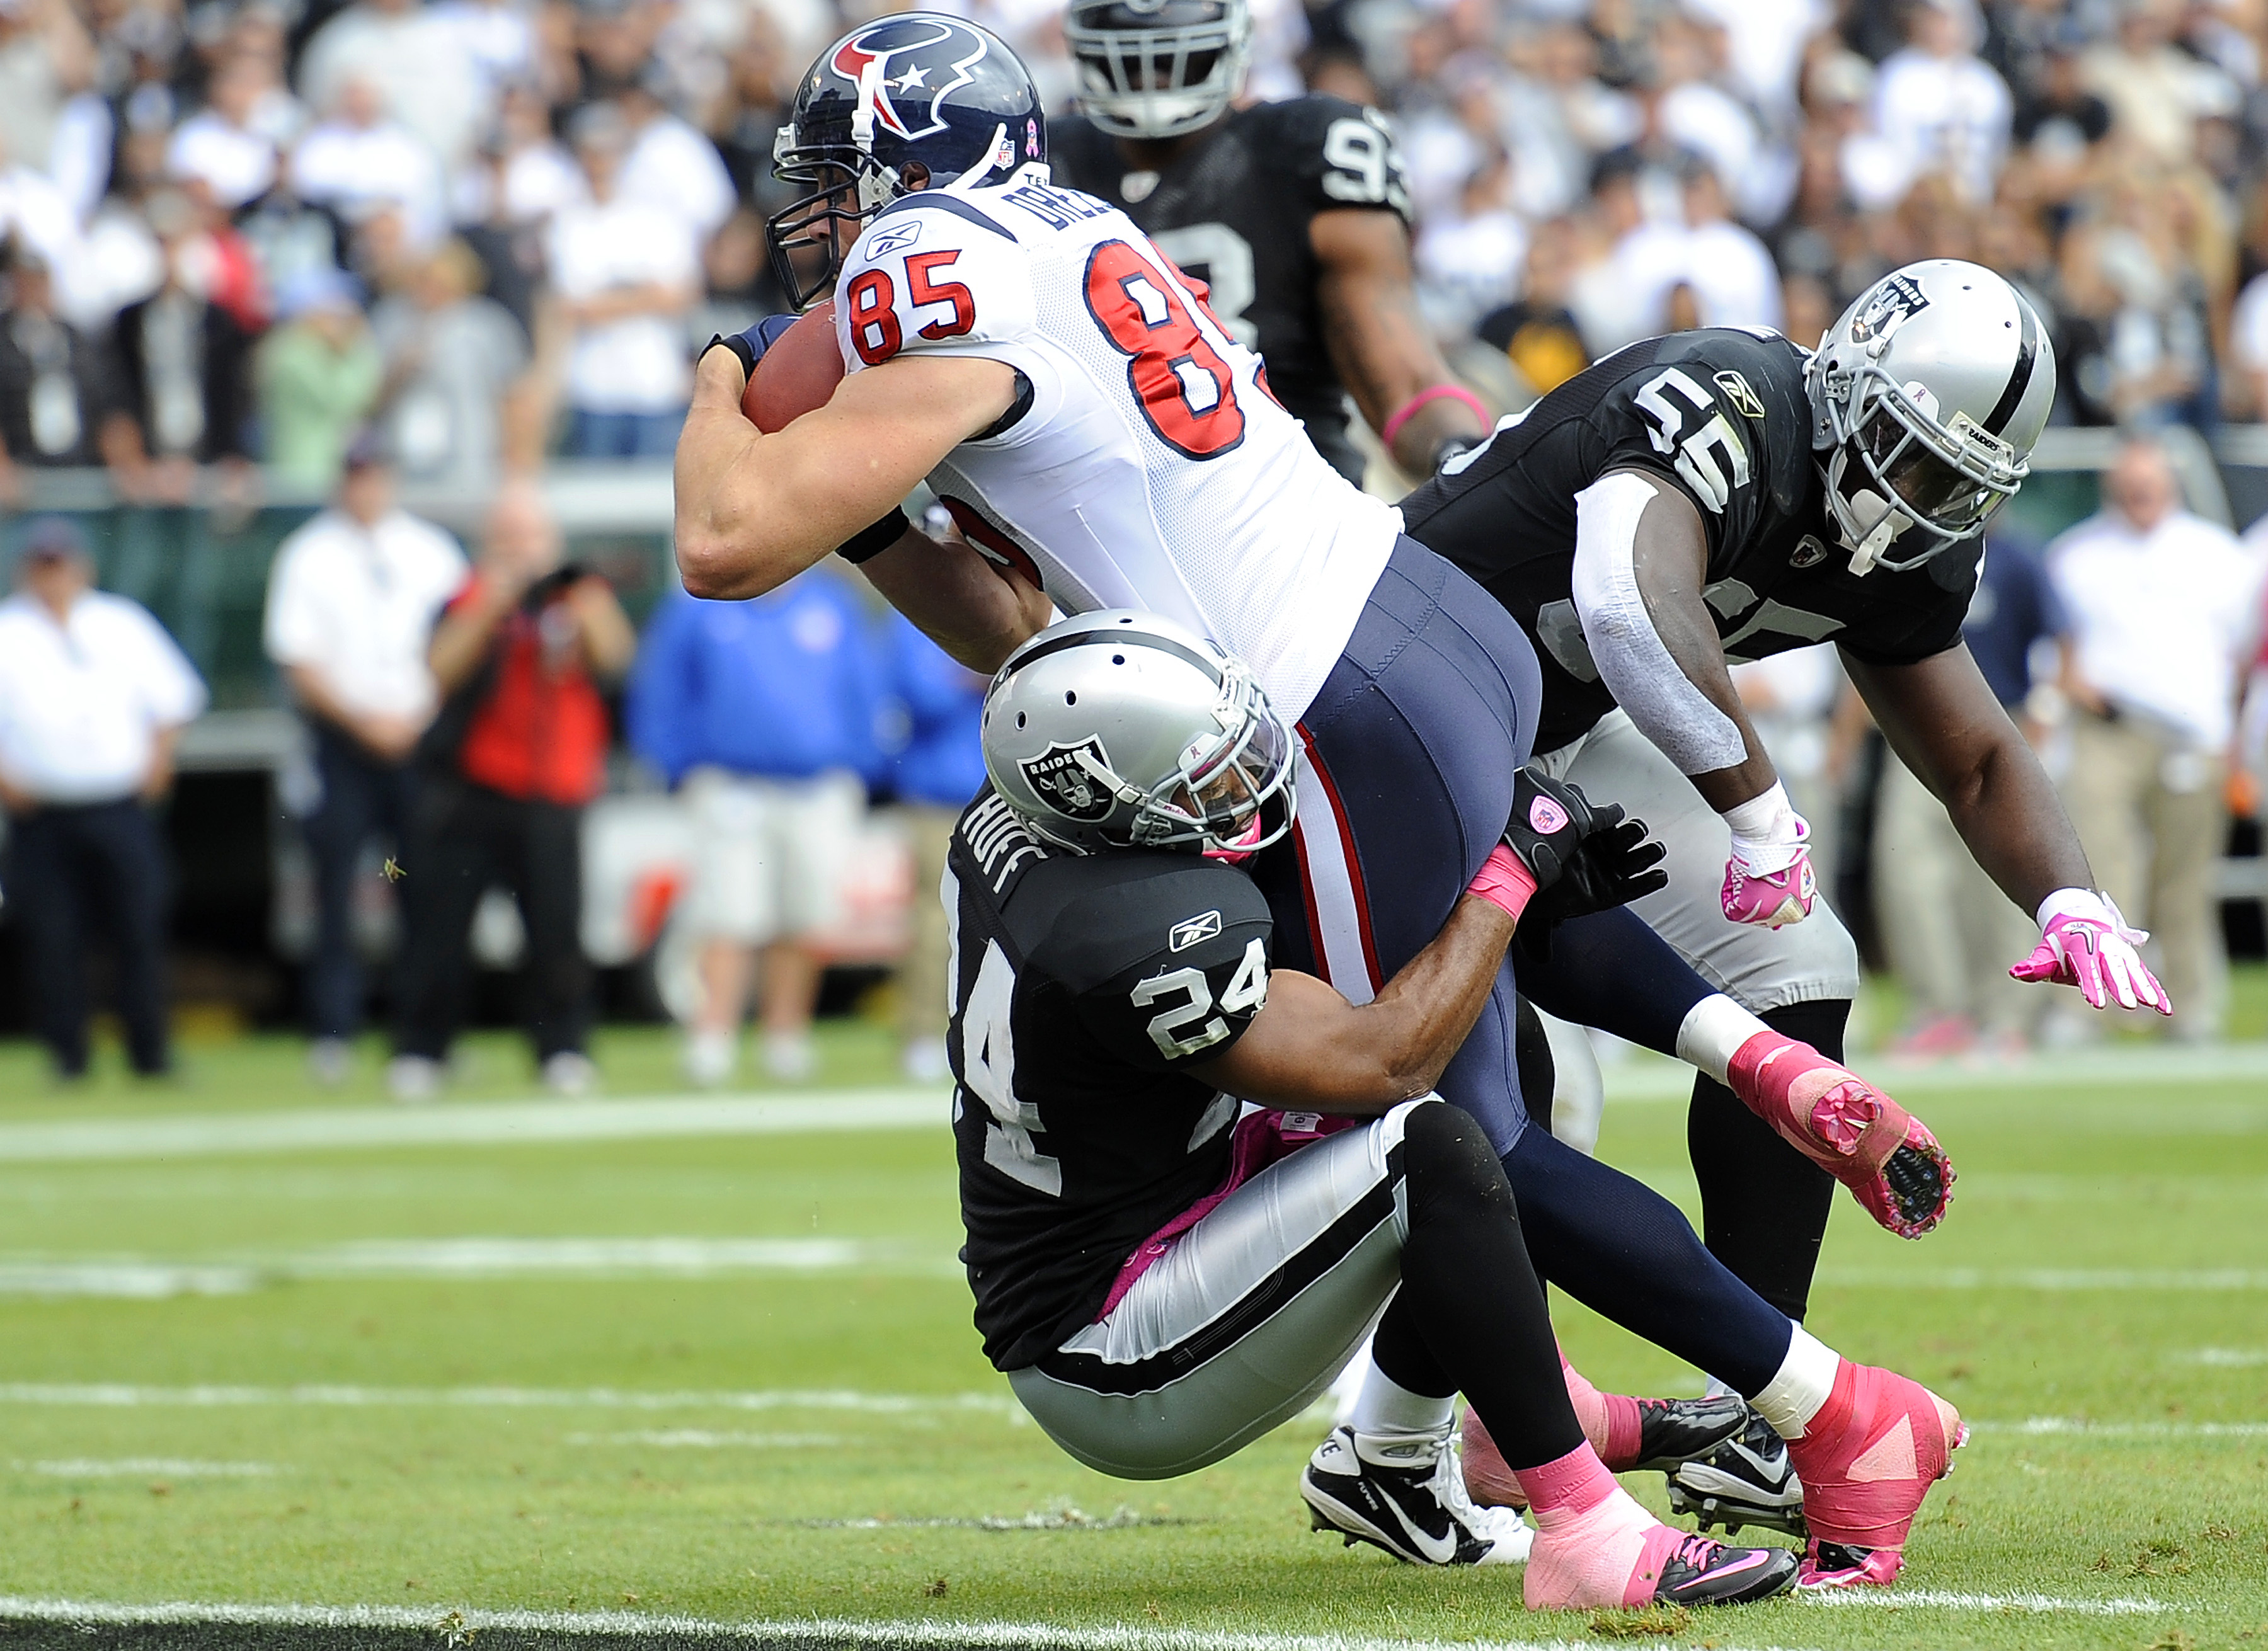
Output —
<point x="1310" y="1047"/>
<point x="754" y="511"/>
<point x="1942" y="719"/>
<point x="1378" y="341"/>
<point x="977" y="612"/>
<point x="1670" y="558"/>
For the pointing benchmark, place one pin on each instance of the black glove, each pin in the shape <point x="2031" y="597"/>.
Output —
<point x="749" y="346"/>
<point x="1584" y="857"/>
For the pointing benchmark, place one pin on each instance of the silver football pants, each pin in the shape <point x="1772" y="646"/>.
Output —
<point x="1241" y="1325"/>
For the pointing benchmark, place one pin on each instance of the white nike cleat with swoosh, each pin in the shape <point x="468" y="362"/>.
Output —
<point x="1405" y="1492"/>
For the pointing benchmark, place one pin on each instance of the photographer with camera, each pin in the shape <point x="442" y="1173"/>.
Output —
<point x="518" y="749"/>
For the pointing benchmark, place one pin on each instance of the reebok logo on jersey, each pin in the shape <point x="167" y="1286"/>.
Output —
<point x="1545" y="816"/>
<point x="1203" y="926"/>
<point x="897" y="238"/>
<point x="1063" y="782"/>
<point x="1743" y="399"/>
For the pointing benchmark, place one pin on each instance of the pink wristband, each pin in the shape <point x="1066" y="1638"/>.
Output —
<point x="1439" y="392"/>
<point x="1504" y="882"/>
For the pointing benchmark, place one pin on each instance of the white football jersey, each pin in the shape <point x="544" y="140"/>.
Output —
<point x="1151" y="468"/>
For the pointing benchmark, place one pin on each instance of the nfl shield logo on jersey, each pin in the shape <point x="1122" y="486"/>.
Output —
<point x="1063" y="783"/>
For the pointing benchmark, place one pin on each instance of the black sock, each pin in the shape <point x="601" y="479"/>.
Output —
<point x="1469" y="1297"/>
<point x="1611" y="971"/>
<point x="1625" y="1251"/>
<point x="1763" y="1205"/>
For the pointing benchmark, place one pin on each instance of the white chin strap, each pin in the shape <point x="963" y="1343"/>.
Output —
<point x="1888" y="526"/>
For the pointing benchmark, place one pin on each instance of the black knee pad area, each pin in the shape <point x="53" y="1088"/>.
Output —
<point x="1449" y="1165"/>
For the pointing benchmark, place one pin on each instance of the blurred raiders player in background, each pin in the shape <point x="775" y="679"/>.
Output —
<point x="1295" y="213"/>
<point x="1162" y="1280"/>
<point x="1720" y="496"/>
<point x="1104" y="442"/>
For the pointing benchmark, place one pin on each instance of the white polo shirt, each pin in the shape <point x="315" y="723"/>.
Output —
<point x="2162" y="620"/>
<point x="81" y="702"/>
<point x="357" y="605"/>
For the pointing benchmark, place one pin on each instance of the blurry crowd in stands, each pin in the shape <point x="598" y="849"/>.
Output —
<point x="238" y="230"/>
<point x="325" y="249"/>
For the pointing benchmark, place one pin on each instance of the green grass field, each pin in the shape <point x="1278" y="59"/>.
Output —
<point x="243" y="1365"/>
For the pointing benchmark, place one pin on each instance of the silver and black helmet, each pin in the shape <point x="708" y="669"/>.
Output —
<point x="1120" y="729"/>
<point x="1933" y="388"/>
<point x="1158" y="68"/>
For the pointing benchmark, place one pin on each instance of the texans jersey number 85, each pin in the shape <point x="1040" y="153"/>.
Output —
<point x="1186" y="389"/>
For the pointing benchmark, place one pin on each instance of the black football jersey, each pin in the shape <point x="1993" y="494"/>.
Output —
<point x="1233" y="212"/>
<point x="1722" y="415"/>
<point x="1084" y="987"/>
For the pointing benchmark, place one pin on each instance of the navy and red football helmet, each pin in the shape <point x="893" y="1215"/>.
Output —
<point x="915" y="88"/>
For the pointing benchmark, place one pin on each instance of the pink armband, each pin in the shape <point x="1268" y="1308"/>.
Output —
<point x="1504" y="882"/>
<point x="1435" y="392"/>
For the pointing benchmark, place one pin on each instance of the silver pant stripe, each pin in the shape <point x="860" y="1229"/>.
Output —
<point x="1243" y="1322"/>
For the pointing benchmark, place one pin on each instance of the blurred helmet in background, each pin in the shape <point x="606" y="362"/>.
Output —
<point x="1158" y="68"/>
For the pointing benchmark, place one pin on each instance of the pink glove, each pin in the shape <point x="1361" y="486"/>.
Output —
<point x="1768" y="879"/>
<point x="2085" y="943"/>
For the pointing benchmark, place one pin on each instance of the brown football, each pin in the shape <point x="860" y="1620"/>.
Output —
<point x="796" y="374"/>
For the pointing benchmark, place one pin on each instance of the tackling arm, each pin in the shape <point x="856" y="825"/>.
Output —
<point x="977" y="612"/>
<point x="1641" y="559"/>
<point x="1946" y="725"/>
<point x="1378" y="344"/>
<point x="754" y="511"/>
<point x="1310" y="1047"/>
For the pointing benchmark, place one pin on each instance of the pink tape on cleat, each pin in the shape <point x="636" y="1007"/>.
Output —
<point x="1885" y="1155"/>
<point x="1867" y="1462"/>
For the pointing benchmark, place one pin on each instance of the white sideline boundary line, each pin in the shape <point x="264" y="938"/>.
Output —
<point x="106" y="1395"/>
<point x="1639" y="1080"/>
<point x="490" y="1122"/>
<point x="1643" y="1076"/>
<point x="928" y="1634"/>
<point x="2048" y="1279"/>
<point x="2033" y="1605"/>
<point x="2048" y="1426"/>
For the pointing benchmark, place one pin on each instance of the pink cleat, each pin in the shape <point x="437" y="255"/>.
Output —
<point x="1867" y="1461"/>
<point x="1596" y="1546"/>
<point x="1771" y="899"/>
<point x="1886" y="1156"/>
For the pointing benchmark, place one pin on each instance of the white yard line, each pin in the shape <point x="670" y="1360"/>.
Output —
<point x="151" y="1467"/>
<point x="931" y="1635"/>
<point x="128" y="1396"/>
<point x="2225" y="1357"/>
<point x="2041" y="1604"/>
<point x="524" y="1123"/>
<point x="701" y="1439"/>
<point x="1642" y="1078"/>
<point x="2152" y="1279"/>
<point x="143" y="1277"/>
<point x="2047" y="1425"/>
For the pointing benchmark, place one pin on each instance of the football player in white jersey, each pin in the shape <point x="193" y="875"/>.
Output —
<point x="1104" y="442"/>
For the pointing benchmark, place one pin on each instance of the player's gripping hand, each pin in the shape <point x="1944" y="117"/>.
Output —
<point x="1574" y="857"/>
<point x="748" y="347"/>
<point x="2084" y="942"/>
<point x="1767" y="878"/>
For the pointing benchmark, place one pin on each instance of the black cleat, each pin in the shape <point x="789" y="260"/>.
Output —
<point x="1673" y="1431"/>
<point x="1699" y="1572"/>
<point x="1406" y="1494"/>
<point x="1746" y="1480"/>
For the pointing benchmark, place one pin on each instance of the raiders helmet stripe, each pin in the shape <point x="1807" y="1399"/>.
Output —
<point x="2020" y="376"/>
<point x="1149" y="639"/>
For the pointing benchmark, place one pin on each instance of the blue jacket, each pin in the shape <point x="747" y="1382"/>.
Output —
<point x="783" y="685"/>
<point x="943" y="761"/>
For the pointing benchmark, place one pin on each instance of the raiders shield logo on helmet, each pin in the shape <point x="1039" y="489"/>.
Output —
<point x="1063" y="784"/>
<point x="1897" y="297"/>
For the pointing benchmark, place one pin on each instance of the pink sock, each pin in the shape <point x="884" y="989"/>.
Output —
<point x="1594" y="1546"/>
<point x="1610" y="1421"/>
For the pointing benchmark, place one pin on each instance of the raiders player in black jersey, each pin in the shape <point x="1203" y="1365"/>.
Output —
<point x="1295" y="213"/>
<point x="1720" y="496"/>
<point x="1163" y="1281"/>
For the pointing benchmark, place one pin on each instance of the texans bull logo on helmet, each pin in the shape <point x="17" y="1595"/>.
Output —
<point x="1063" y="782"/>
<point x="908" y="67"/>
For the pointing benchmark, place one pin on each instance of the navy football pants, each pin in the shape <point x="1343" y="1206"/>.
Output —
<point x="1406" y="767"/>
